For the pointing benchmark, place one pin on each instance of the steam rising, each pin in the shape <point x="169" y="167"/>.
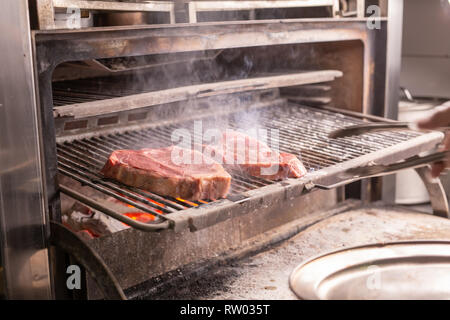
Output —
<point x="159" y="72"/>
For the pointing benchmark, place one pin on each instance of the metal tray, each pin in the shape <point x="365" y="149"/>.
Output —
<point x="398" y="270"/>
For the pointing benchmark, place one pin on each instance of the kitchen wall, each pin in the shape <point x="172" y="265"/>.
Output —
<point x="426" y="47"/>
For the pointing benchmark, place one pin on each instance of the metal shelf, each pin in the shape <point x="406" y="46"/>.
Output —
<point x="46" y="8"/>
<point x="146" y="99"/>
<point x="217" y="6"/>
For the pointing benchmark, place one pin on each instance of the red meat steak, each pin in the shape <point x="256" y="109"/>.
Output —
<point x="154" y="170"/>
<point x="238" y="151"/>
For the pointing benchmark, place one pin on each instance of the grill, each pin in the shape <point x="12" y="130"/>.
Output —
<point x="91" y="91"/>
<point x="301" y="130"/>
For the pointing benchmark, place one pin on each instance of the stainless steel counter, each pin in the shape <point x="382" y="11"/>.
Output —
<point x="265" y="275"/>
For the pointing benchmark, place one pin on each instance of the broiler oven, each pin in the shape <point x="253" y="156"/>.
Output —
<point x="130" y="87"/>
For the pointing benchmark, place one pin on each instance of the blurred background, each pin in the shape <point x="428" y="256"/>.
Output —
<point x="424" y="78"/>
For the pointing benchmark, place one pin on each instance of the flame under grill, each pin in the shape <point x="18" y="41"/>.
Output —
<point x="302" y="131"/>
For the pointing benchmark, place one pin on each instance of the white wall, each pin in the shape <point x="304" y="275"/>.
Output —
<point x="426" y="47"/>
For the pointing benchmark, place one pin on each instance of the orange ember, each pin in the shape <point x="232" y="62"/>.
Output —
<point x="130" y="206"/>
<point x="148" y="199"/>
<point x="155" y="202"/>
<point x="90" y="233"/>
<point x="188" y="202"/>
<point x="140" y="216"/>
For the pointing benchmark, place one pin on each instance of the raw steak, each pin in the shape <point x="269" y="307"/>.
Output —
<point x="154" y="170"/>
<point x="240" y="152"/>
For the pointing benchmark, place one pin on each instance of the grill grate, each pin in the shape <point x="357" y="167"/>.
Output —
<point x="302" y="131"/>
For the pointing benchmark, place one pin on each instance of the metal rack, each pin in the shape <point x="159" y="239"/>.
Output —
<point x="302" y="131"/>
<point x="145" y="99"/>
<point x="46" y="8"/>
<point x="216" y="6"/>
<point x="191" y="9"/>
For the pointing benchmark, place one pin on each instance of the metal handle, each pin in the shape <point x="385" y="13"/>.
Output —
<point x="375" y="127"/>
<point x="358" y="173"/>
<point x="410" y="163"/>
<point x="366" y="128"/>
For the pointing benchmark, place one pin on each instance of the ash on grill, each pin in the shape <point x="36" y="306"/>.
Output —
<point x="89" y="223"/>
